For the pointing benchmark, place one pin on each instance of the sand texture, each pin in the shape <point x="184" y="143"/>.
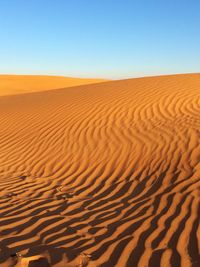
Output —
<point x="20" y="84"/>
<point x="104" y="174"/>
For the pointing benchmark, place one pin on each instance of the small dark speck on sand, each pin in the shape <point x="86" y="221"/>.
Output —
<point x="15" y="255"/>
<point x="23" y="177"/>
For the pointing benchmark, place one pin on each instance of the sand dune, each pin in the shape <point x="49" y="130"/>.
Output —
<point x="102" y="175"/>
<point x="19" y="84"/>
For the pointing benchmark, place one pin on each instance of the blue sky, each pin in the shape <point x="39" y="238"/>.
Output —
<point x="99" y="38"/>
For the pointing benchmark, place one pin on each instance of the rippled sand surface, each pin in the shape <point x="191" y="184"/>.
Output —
<point x="104" y="174"/>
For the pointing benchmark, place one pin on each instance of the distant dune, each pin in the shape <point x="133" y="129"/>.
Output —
<point x="19" y="84"/>
<point x="104" y="174"/>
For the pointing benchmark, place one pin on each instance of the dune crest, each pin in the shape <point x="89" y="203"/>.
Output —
<point x="20" y="84"/>
<point x="106" y="174"/>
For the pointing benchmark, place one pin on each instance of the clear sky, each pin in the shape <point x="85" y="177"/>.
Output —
<point x="99" y="38"/>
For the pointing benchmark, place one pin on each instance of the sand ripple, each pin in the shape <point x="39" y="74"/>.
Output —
<point x="102" y="175"/>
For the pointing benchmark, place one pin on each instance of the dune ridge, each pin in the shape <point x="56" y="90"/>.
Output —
<point x="102" y="175"/>
<point x="20" y="84"/>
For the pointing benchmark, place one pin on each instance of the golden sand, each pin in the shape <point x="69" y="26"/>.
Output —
<point x="105" y="174"/>
<point x="19" y="84"/>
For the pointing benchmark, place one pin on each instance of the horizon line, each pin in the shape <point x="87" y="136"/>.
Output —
<point x="124" y="77"/>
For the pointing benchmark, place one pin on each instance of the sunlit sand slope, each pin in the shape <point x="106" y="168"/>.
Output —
<point x="102" y="175"/>
<point x="19" y="84"/>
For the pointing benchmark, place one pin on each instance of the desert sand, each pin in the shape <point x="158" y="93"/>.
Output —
<point x="20" y="84"/>
<point x="106" y="174"/>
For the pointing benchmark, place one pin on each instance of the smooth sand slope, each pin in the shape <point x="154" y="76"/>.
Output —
<point x="102" y="175"/>
<point x="19" y="84"/>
